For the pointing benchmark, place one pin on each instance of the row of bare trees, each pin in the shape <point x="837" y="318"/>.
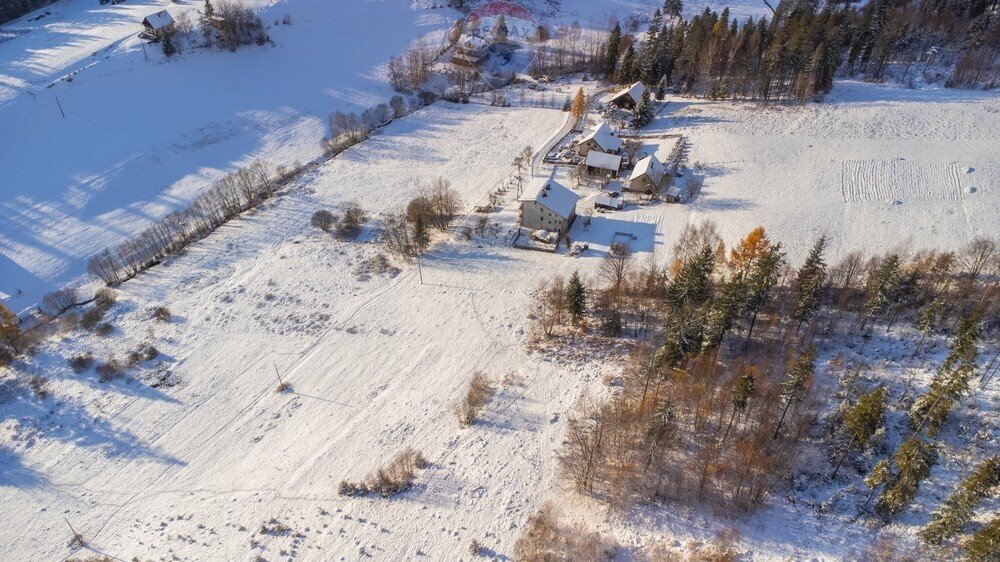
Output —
<point x="408" y="232"/>
<point x="229" y="196"/>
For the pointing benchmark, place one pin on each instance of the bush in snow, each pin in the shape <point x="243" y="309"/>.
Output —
<point x="394" y="478"/>
<point x="105" y="298"/>
<point x="349" y="225"/>
<point x="110" y="369"/>
<point x="162" y="314"/>
<point x="323" y="220"/>
<point x="479" y="392"/>
<point x="104" y="329"/>
<point x="398" y="106"/>
<point x="81" y="362"/>
<point x="91" y="318"/>
<point x="545" y="537"/>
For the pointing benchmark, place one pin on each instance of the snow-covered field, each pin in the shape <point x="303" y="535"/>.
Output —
<point x="141" y="138"/>
<point x="191" y="453"/>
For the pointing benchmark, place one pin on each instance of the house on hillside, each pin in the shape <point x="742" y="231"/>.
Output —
<point x="629" y="97"/>
<point x="601" y="138"/>
<point x="646" y="176"/>
<point x="548" y="205"/>
<point x="468" y="52"/>
<point x="159" y="24"/>
<point x="603" y="163"/>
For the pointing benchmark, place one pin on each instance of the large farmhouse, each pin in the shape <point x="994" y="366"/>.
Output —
<point x="629" y="97"/>
<point x="646" y="176"/>
<point x="602" y="139"/>
<point x="548" y="205"/>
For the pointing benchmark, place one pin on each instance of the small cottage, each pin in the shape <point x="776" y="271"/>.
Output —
<point x="646" y="176"/>
<point x="159" y="24"/>
<point x="602" y="139"/>
<point x="548" y="205"/>
<point x="603" y="163"/>
<point x="629" y="97"/>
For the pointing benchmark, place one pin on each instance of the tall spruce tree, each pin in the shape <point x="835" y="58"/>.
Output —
<point x="796" y="385"/>
<point x="808" y="284"/>
<point x="611" y="52"/>
<point x="861" y="421"/>
<point x="576" y="297"/>
<point x="901" y="477"/>
<point x="951" y="381"/>
<point x="956" y="511"/>
<point x="692" y="283"/>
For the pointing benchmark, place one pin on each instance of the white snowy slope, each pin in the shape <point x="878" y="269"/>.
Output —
<point x="142" y="137"/>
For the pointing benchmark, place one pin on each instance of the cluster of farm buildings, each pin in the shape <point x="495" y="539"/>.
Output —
<point x="548" y="205"/>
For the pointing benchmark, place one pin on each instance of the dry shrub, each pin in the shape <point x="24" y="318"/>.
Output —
<point x="105" y="298"/>
<point x="349" y="226"/>
<point x="143" y="353"/>
<point x="888" y="549"/>
<point x="104" y="329"/>
<point x="162" y="314"/>
<point x="81" y="362"/>
<point x="68" y="322"/>
<point x="479" y="393"/>
<point x="546" y="539"/>
<point x="110" y="369"/>
<point x="394" y="478"/>
<point x="39" y="385"/>
<point x="283" y="387"/>
<point x="91" y="318"/>
<point x="323" y="220"/>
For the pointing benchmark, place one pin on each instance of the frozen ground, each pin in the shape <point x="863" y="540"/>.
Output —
<point x="191" y="453"/>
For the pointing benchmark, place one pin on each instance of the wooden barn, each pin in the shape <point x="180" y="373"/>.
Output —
<point x="159" y="24"/>
<point x="629" y="97"/>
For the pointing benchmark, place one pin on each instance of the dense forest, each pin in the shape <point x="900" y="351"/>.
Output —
<point x="796" y="53"/>
<point x="12" y="9"/>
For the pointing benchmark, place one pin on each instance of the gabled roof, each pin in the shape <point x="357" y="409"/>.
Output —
<point x="634" y="91"/>
<point x="648" y="166"/>
<point x="159" y="20"/>
<point x="598" y="159"/>
<point x="552" y="195"/>
<point x="604" y="138"/>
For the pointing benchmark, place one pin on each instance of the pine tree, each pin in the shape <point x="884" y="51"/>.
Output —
<point x="862" y="420"/>
<point x="723" y="311"/>
<point x="579" y="104"/>
<point x="576" y="297"/>
<point x="743" y="390"/>
<point x="951" y="381"/>
<point x="911" y="464"/>
<point x="209" y="9"/>
<point x="501" y="31"/>
<point x="884" y="288"/>
<point x="984" y="545"/>
<point x="673" y="8"/>
<point x="762" y="278"/>
<point x="611" y="52"/>
<point x="661" y="88"/>
<point x="627" y="67"/>
<point x="809" y="284"/>
<point x="691" y="284"/>
<point x="644" y="112"/>
<point x="956" y="511"/>
<point x="796" y="384"/>
<point x="168" y="46"/>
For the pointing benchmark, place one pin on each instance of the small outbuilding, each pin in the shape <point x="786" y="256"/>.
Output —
<point x="646" y="177"/>
<point x="602" y="163"/>
<point x="159" y="24"/>
<point x="548" y="205"/>
<point x="629" y="97"/>
<point x="602" y="139"/>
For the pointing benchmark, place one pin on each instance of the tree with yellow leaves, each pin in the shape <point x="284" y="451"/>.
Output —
<point x="10" y="331"/>
<point x="749" y="251"/>
<point x="579" y="104"/>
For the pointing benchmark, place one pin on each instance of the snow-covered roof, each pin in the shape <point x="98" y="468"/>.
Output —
<point x="648" y="166"/>
<point x="159" y="20"/>
<point x="604" y="138"/>
<point x="598" y="159"/>
<point x="552" y="195"/>
<point x="634" y="91"/>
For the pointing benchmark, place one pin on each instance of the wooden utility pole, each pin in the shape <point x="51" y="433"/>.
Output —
<point x="420" y="272"/>
<point x="77" y="537"/>
<point x="143" y="43"/>
<point x="60" y="107"/>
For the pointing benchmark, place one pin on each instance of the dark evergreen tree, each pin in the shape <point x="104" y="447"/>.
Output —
<point x="956" y="511"/>
<point x="576" y="297"/>
<point x="611" y="52"/>
<point x="808" y="284"/>
<point x="691" y="284"/>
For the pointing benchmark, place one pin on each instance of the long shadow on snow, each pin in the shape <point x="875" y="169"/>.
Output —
<point x="13" y="473"/>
